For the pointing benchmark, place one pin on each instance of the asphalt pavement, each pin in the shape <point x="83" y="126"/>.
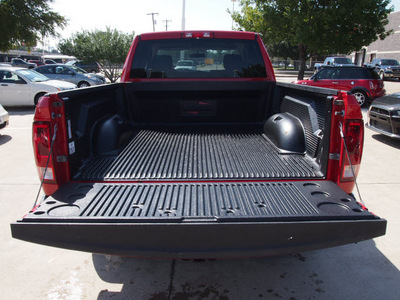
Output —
<point x="366" y="270"/>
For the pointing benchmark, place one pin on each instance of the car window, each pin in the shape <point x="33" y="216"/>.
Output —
<point x="327" y="73"/>
<point x="32" y="75"/>
<point x="64" y="71"/>
<point x="353" y="74"/>
<point x="361" y="73"/>
<point x="78" y="70"/>
<point x="343" y="60"/>
<point x="9" y="77"/>
<point x="373" y="74"/>
<point x="46" y="70"/>
<point x="390" y="62"/>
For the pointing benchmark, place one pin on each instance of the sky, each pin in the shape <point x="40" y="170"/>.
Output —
<point x="132" y="15"/>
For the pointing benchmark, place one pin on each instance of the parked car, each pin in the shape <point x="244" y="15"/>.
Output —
<point x="36" y="61"/>
<point x="18" y="62"/>
<point x="4" y="117"/>
<point x="386" y="68"/>
<point x="334" y="61"/>
<point x="364" y="83"/>
<point x="91" y="67"/>
<point x="384" y="116"/>
<point x="71" y="74"/>
<point x="19" y="86"/>
<point x="49" y="62"/>
<point x="185" y="65"/>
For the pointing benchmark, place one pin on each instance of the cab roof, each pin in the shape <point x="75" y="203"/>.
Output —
<point x="198" y="34"/>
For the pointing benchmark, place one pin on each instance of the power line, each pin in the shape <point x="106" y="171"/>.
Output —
<point x="166" y="23"/>
<point x="152" y="18"/>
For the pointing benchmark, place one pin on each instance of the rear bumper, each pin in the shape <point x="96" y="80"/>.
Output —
<point x="200" y="240"/>
<point x="375" y="95"/>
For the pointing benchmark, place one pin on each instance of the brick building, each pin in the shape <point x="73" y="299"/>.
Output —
<point x="388" y="48"/>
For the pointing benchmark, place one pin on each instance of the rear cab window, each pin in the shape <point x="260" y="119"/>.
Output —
<point x="203" y="57"/>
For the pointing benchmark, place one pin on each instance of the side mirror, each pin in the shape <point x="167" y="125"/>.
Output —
<point x="71" y="73"/>
<point x="20" y="81"/>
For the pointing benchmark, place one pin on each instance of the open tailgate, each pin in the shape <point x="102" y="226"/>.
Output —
<point x="202" y="219"/>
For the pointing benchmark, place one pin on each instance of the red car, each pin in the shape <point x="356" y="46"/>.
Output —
<point x="364" y="83"/>
<point x="37" y="62"/>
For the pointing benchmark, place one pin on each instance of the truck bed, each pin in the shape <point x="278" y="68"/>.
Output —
<point x="198" y="152"/>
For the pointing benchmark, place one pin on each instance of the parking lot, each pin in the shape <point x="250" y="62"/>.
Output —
<point x="366" y="270"/>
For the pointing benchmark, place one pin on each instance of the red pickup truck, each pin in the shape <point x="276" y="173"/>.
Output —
<point x="218" y="160"/>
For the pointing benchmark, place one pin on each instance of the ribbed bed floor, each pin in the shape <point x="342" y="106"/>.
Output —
<point x="198" y="153"/>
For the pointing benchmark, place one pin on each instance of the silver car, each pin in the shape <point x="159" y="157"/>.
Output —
<point x="20" y="63"/>
<point x="20" y="86"/>
<point x="4" y="117"/>
<point x="71" y="74"/>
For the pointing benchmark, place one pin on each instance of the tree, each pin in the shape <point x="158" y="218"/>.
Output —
<point x="23" y="22"/>
<point x="108" y="48"/>
<point x="316" y="26"/>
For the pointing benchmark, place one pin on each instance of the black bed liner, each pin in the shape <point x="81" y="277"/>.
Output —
<point x="199" y="219"/>
<point x="199" y="152"/>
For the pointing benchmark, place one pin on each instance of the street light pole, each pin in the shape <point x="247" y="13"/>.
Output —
<point x="233" y="10"/>
<point x="183" y="26"/>
<point x="183" y="15"/>
<point x="152" y="18"/>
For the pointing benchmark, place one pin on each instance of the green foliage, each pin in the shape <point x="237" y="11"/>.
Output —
<point x="316" y="26"/>
<point x="109" y="48"/>
<point x="23" y="22"/>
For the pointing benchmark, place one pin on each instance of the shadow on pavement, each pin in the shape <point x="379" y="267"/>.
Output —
<point x="20" y="110"/>
<point x="4" y="139"/>
<point x="356" y="271"/>
<point x="395" y="143"/>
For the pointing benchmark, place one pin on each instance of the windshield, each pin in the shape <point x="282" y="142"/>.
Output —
<point x="343" y="60"/>
<point x="390" y="62"/>
<point x="32" y="75"/>
<point x="78" y="70"/>
<point x="210" y="58"/>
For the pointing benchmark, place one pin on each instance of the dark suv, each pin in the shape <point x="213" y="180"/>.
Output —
<point x="387" y="68"/>
<point x="364" y="83"/>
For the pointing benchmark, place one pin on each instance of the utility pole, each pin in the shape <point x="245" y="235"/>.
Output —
<point x="152" y="18"/>
<point x="166" y="24"/>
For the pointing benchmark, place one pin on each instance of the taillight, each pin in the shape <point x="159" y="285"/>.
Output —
<point x="42" y="150"/>
<point x="372" y="86"/>
<point x="352" y="151"/>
